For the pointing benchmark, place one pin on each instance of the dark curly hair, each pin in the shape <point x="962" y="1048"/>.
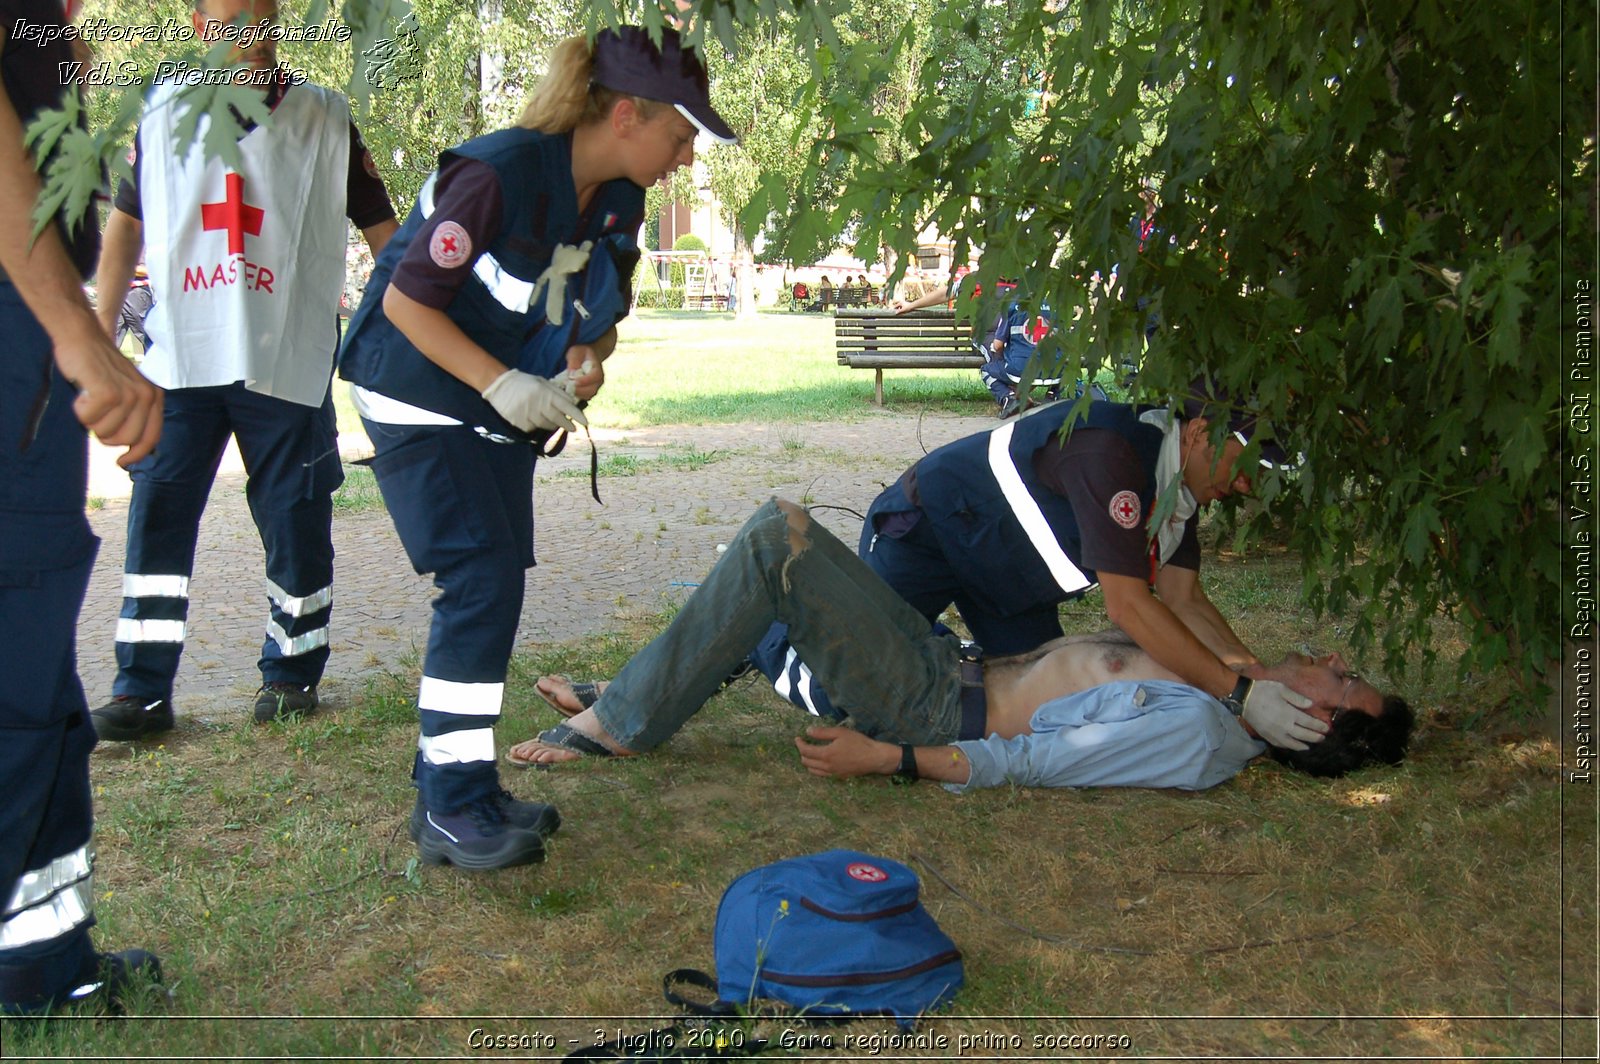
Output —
<point x="1357" y="740"/>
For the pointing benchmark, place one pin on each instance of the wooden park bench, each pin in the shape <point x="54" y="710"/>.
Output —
<point x="879" y="340"/>
<point x="704" y="299"/>
<point x="855" y="295"/>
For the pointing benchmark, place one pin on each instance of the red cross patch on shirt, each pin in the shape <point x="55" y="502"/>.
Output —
<point x="1125" y="509"/>
<point x="450" y="245"/>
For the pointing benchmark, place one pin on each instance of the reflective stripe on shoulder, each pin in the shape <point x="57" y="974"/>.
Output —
<point x="1026" y="509"/>
<point x="510" y="292"/>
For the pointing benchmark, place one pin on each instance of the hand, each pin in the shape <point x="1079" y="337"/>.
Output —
<point x="1273" y="710"/>
<point x="115" y="401"/>
<point x="531" y="403"/>
<point x="843" y="752"/>
<point x="585" y="372"/>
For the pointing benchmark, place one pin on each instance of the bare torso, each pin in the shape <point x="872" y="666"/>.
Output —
<point x="1016" y="687"/>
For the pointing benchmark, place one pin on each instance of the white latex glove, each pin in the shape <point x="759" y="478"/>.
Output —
<point x="531" y="403"/>
<point x="568" y="381"/>
<point x="1273" y="710"/>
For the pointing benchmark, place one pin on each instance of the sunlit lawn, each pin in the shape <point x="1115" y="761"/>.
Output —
<point x="680" y="367"/>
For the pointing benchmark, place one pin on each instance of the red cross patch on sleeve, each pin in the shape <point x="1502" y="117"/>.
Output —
<point x="1125" y="509"/>
<point x="450" y="246"/>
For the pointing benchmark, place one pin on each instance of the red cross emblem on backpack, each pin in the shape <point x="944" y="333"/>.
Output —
<point x="867" y="873"/>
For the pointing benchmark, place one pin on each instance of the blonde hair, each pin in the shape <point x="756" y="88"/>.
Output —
<point x="565" y="98"/>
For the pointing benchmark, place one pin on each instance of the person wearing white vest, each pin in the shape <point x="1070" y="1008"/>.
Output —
<point x="246" y="262"/>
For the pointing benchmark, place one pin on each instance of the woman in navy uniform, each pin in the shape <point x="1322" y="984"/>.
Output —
<point x="483" y="329"/>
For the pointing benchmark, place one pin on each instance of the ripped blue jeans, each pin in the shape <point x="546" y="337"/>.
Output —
<point x="878" y="658"/>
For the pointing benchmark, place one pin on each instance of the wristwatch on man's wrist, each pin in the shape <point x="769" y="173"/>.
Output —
<point x="1234" y="700"/>
<point x="908" y="763"/>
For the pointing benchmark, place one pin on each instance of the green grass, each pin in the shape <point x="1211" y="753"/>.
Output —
<point x="628" y="465"/>
<point x="270" y="869"/>
<point x="359" y="493"/>
<point x="675" y="367"/>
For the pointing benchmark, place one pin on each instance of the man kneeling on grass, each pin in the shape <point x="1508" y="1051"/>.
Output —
<point x="1088" y="711"/>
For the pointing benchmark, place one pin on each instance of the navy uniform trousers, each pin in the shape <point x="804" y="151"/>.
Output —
<point x="46" y="552"/>
<point x="291" y="455"/>
<point x="463" y="507"/>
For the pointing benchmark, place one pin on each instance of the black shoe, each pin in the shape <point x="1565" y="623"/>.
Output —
<point x="127" y="718"/>
<point x="1009" y="408"/>
<point x="541" y="819"/>
<point x="476" y="837"/>
<point x="740" y="671"/>
<point x="116" y="982"/>
<point x="278" y="700"/>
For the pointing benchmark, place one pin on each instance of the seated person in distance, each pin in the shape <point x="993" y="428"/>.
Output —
<point x="1079" y="711"/>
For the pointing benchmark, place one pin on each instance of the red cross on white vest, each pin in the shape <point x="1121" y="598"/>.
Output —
<point x="234" y="215"/>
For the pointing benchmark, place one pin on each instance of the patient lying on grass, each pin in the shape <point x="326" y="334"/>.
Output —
<point x="1083" y="711"/>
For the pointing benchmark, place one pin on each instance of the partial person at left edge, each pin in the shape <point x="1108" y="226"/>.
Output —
<point x="59" y="373"/>
<point x="247" y="266"/>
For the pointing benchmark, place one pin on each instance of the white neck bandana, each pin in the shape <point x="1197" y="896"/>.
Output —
<point x="1169" y="468"/>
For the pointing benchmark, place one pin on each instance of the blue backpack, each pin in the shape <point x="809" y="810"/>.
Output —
<point x="839" y="933"/>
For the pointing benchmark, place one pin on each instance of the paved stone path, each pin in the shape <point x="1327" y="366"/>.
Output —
<point x="658" y="531"/>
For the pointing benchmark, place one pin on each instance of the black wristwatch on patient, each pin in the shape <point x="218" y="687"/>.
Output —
<point x="908" y="763"/>
<point x="1234" y="700"/>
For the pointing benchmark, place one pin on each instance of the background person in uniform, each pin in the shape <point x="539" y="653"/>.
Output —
<point x="247" y="267"/>
<point x="58" y="374"/>
<point x="1012" y="344"/>
<point x="136" y="307"/>
<point x="485" y="323"/>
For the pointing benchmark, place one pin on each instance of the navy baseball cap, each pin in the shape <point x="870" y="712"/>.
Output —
<point x="1205" y="400"/>
<point x="627" y="61"/>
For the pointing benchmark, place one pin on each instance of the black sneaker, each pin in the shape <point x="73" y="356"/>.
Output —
<point x="740" y="671"/>
<point x="541" y="819"/>
<point x="278" y="700"/>
<point x="1009" y="408"/>
<point x="476" y="837"/>
<point x="127" y="718"/>
<point x="116" y="982"/>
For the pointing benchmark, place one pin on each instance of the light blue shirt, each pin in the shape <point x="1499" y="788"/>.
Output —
<point x="1133" y="733"/>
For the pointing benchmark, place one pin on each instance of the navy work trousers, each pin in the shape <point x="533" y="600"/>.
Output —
<point x="291" y="456"/>
<point x="463" y="506"/>
<point x="46" y="552"/>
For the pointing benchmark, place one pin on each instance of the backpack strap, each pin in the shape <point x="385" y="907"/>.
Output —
<point x="696" y="978"/>
<point x="771" y="1009"/>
